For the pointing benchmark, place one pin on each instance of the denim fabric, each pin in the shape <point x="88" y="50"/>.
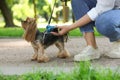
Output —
<point x="108" y="24"/>
<point x="80" y="8"/>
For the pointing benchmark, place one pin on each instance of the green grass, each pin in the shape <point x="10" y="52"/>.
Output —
<point x="18" y="32"/>
<point x="83" y="71"/>
<point x="11" y="32"/>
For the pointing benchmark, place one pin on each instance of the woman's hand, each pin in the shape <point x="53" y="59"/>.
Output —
<point x="62" y="30"/>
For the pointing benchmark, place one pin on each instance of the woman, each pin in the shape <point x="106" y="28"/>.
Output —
<point x="105" y="15"/>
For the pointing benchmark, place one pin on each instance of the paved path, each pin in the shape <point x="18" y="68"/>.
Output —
<point x="15" y="56"/>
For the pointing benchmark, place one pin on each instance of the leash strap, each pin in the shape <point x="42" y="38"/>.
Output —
<point x="49" y="21"/>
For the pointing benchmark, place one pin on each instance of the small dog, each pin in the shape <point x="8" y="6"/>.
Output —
<point x="41" y="40"/>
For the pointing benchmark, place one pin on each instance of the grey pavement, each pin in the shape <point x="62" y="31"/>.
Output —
<point x="15" y="55"/>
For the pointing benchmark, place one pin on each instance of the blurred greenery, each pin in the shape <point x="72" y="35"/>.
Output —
<point x="18" y="32"/>
<point x="82" y="71"/>
<point x="25" y="8"/>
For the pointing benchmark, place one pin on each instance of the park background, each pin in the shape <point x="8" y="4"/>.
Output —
<point x="11" y="14"/>
<point x="13" y="11"/>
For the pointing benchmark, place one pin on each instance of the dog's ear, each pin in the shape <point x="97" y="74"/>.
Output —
<point x="30" y="27"/>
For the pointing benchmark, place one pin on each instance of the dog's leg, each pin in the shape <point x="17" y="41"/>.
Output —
<point x="63" y="53"/>
<point x="42" y="57"/>
<point x="35" y="47"/>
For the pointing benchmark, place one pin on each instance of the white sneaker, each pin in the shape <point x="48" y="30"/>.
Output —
<point x="115" y="52"/>
<point x="87" y="54"/>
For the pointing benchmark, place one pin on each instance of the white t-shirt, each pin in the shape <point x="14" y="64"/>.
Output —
<point x="102" y="6"/>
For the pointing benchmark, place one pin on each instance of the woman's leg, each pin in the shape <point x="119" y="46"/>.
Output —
<point x="108" y="24"/>
<point x="80" y="8"/>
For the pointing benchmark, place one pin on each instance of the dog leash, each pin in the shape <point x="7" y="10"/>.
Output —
<point x="48" y="27"/>
<point x="49" y="21"/>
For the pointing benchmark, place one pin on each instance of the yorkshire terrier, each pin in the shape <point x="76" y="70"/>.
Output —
<point x="42" y="40"/>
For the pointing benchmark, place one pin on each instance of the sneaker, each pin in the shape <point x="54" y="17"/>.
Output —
<point x="115" y="52"/>
<point x="88" y="53"/>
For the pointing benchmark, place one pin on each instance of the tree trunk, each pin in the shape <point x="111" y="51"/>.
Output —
<point x="7" y="14"/>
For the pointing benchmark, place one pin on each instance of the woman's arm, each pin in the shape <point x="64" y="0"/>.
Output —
<point x="81" y="22"/>
<point x="64" y="29"/>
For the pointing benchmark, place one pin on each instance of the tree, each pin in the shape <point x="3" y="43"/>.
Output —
<point x="7" y="14"/>
<point x="42" y="8"/>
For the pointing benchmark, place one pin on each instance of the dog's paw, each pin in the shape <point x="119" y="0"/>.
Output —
<point x="63" y="54"/>
<point x="43" y="59"/>
<point x="34" y="57"/>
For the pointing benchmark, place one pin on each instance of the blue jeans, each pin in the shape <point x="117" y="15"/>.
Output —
<point x="108" y="23"/>
<point x="80" y="8"/>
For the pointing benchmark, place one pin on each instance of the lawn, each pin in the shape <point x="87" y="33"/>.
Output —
<point x="18" y="32"/>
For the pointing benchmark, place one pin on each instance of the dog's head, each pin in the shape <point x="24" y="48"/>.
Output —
<point x="30" y="27"/>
